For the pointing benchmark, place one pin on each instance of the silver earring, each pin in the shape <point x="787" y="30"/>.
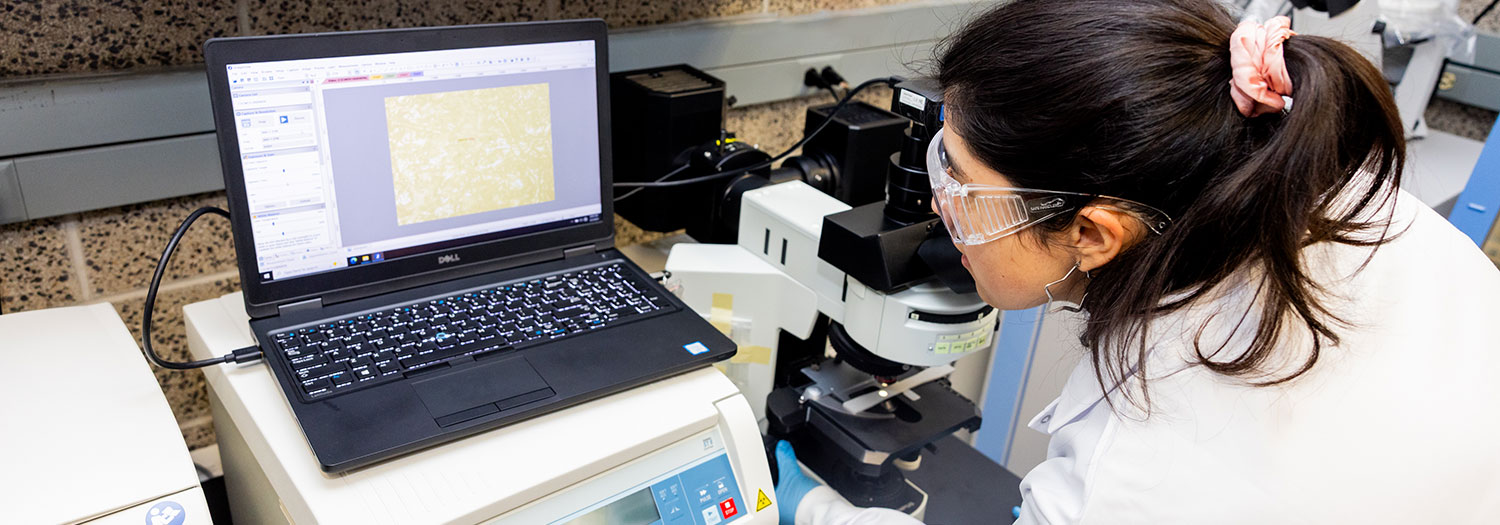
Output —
<point x="1048" y="290"/>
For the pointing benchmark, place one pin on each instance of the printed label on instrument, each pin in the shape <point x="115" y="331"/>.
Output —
<point x="911" y="98"/>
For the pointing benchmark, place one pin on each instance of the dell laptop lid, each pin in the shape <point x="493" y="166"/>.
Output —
<point x="362" y="163"/>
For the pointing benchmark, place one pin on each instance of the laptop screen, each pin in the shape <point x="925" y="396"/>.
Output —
<point x="360" y="160"/>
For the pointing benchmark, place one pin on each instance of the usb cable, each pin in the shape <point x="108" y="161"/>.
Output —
<point x="244" y="355"/>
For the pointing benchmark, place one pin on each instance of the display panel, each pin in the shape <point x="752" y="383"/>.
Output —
<point x="360" y="160"/>
<point x="703" y="492"/>
<point x="451" y="158"/>
<point x="635" y="509"/>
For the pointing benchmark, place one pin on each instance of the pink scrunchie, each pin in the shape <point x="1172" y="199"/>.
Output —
<point x="1260" y="76"/>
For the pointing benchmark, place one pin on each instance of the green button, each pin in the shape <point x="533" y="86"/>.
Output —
<point x="943" y="348"/>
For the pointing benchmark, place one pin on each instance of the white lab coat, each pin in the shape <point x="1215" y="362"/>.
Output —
<point x="1398" y="423"/>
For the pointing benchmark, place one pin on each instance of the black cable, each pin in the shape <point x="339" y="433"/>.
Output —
<point x="811" y="78"/>
<point x="1484" y="11"/>
<point x="832" y="92"/>
<point x="833" y="80"/>
<point x="658" y="179"/>
<point x="891" y="81"/>
<point x="243" y="355"/>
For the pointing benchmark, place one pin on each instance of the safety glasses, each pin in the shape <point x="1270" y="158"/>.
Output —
<point x="979" y="213"/>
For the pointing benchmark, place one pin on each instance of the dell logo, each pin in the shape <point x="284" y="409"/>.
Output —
<point x="448" y="259"/>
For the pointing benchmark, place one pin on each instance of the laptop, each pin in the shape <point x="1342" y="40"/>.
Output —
<point x="425" y="232"/>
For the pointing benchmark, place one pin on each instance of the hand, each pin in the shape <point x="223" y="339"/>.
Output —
<point x="792" y="483"/>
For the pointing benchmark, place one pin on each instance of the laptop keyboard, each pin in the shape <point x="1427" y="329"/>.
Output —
<point x="372" y="348"/>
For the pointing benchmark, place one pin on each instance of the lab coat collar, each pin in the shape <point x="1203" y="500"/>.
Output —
<point x="1172" y="336"/>
<point x="1079" y="395"/>
<point x="1083" y="393"/>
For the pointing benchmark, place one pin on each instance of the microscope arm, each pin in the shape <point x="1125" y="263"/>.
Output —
<point x="723" y="282"/>
<point x="750" y="300"/>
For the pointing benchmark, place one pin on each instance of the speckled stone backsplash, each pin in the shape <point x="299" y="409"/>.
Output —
<point x="74" y="36"/>
<point x="108" y="255"/>
<point x="52" y="36"/>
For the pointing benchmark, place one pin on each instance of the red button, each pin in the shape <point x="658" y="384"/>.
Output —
<point x="726" y="508"/>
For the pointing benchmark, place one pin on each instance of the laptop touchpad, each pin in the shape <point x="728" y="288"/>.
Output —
<point x="480" y="390"/>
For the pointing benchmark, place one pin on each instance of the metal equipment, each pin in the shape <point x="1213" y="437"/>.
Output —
<point x="680" y="451"/>
<point x="1409" y="40"/>
<point x="841" y="289"/>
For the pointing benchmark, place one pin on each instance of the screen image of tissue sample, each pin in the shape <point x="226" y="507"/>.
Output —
<point x="464" y="152"/>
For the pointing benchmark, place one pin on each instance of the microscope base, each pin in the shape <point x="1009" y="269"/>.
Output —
<point x="856" y="454"/>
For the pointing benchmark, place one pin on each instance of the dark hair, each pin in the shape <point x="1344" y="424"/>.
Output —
<point x="1130" y="98"/>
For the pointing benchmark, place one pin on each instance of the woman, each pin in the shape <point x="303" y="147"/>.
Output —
<point x="1275" y="332"/>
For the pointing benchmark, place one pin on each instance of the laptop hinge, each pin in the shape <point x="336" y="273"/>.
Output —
<point x="300" y="306"/>
<point x="581" y="250"/>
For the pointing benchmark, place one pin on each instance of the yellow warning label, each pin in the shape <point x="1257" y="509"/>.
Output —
<point x="761" y="501"/>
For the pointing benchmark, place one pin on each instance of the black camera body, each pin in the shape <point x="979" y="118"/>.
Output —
<point x="668" y="125"/>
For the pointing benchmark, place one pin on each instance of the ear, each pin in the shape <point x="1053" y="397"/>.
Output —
<point x="1097" y="235"/>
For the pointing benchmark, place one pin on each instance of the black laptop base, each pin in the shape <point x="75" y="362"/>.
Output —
<point x="472" y="394"/>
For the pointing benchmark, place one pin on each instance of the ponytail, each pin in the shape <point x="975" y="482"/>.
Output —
<point x="1130" y="98"/>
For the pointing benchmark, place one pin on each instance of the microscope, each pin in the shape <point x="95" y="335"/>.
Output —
<point x="831" y="273"/>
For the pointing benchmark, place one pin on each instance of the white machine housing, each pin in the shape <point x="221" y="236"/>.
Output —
<point x="89" y="437"/>
<point x="623" y="453"/>
<point x="1419" y="78"/>
<point x="774" y="278"/>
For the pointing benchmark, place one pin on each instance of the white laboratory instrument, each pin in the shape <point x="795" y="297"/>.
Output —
<point x="774" y="281"/>
<point x="1438" y="163"/>
<point x="88" y="436"/>
<point x="858" y="420"/>
<point x="1409" y="40"/>
<point x="684" y="450"/>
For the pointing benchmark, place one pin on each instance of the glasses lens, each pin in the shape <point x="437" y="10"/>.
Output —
<point x="981" y="218"/>
<point x="943" y="185"/>
<point x="937" y="166"/>
<point x="977" y="214"/>
<point x="945" y="207"/>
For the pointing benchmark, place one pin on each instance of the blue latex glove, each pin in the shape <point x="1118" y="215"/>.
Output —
<point x="791" y="485"/>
